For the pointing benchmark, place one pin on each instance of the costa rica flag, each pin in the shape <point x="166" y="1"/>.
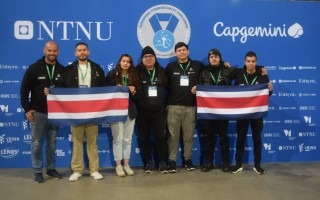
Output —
<point x="96" y="105"/>
<point x="232" y="102"/>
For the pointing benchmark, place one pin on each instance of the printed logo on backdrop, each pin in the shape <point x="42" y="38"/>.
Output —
<point x="62" y="30"/>
<point x="9" y="153"/>
<point x="161" y="27"/>
<point x="267" y="31"/>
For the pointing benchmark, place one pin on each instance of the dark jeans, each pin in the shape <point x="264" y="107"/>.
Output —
<point x="220" y="127"/>
<point x="149" y="122"/>
<point x="242" y="130"/>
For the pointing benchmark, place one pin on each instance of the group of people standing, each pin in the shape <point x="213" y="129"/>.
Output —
<point x="159" y="100"/>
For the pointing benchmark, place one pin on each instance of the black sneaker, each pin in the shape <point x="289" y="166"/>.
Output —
<point x="258" y="170"/>
<point x="38" y="177"/>
<point x="236" y="169"/>
<point x="188" y="165"/>
<point x="225" y="168"/>
<point x="149" y="167"/>
<point x="172" y="168"/>
<point x="163" y="167"/>
<point x="206" y="167"/>
<point x="54" y="173"/>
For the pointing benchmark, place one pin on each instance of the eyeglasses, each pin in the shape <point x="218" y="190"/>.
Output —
<point x="148" y="56"/>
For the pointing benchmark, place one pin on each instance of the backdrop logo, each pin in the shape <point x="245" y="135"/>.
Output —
<point x="23" y="30"/>
<point x="220" y="30"/>
<point x="161" y="27"/>
<point x="9" y="153"/>
<point x="62" y="30"/>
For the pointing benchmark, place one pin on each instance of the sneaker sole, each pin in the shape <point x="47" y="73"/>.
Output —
<point x="148" y="171"/>
<point x="164" y="172"/>
<point x="238" y="170"/>
<point x="259" y="173"/>
<point x="172" y="171"/>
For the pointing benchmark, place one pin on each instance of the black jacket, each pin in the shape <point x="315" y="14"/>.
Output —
<point x="147" y="103"/>
<point x="181" y="95"/>
<point x="215" y="72"/>
<point x="35" y="79"/>
<point x="243" y="78"/>
<point x="71" y="75"/>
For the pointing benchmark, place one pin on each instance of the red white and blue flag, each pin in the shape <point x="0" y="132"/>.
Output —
<point x="96" y="105"/>
<point x="232" y="102"/>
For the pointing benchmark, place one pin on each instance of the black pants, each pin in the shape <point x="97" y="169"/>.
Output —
<point x="213" y="127"/>
<point x="242" y="130"/>
<point x="149" y="122"/>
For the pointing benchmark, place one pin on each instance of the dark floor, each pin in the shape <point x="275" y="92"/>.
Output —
<point x="292" y="181"/>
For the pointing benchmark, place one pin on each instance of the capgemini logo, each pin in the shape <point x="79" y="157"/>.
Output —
<point x="245" y="32"/>
<point x="295" y="30"/>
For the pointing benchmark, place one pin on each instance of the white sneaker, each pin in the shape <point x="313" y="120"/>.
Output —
<point x="128" y="170"/>
<point x="75" y="176"/>
<point x="96" y="176"/>
<point x="119" y="171"/>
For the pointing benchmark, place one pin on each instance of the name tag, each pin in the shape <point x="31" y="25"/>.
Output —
<point x="184" y="80"/>
<point x="152" y="91"/>
<point x="83" y="86"/>
<point x="41" y="77"/>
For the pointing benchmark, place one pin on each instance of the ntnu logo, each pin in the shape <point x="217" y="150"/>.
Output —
<point x="220" y="30"/>
<point x="66" y="30"/>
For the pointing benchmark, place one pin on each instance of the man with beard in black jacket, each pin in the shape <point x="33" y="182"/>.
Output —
<point x="46" y="72"/>
<point x="151" y="110"/>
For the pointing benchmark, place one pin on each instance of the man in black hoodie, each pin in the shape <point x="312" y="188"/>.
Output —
<point x="151" y="110"/>
<point x="250" y="75"/>
<point x="46" y="72"/>
<point x="183" y="75"/>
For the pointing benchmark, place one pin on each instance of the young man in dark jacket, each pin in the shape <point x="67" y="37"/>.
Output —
<point x="84" y="73"/>
<point x="250" y="75"/>
<point x="183" y="75"/>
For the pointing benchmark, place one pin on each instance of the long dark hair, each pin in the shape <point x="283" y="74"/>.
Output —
<point x="132" y="74"/>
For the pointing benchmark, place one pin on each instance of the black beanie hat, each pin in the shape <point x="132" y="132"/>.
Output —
<point x="147" y="50"/>
<point x="215" y="52"/>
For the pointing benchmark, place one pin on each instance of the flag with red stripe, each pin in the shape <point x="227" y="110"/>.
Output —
<point x="96" y="105"/>
<point x="232" y="102"/>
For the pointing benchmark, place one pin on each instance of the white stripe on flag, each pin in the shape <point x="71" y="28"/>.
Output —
<point x="87" y="115"/>
<point x="232" y="111"/>
<point x="87" y="97"/>
<point x="233" y="94"/>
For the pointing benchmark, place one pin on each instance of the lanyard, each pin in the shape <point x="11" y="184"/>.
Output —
<point x="218" y="79"/>
<point x="124" y="80"/>
<point x="83" y="76"/>
<point x="52" y="72"/>
<point x="253" y="81"/>
<point x="184" y="70"/>
<point x="152" y="77"/>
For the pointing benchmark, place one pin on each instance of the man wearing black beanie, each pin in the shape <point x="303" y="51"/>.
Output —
<point x="151" y="109"/>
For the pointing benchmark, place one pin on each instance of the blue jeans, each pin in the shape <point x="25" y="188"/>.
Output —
<point x="38" y="129"/>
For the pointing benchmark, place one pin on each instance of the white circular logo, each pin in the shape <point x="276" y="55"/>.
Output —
<point x="161" y="27"/>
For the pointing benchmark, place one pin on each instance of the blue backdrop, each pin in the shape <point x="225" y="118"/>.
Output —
<point x="285" y="35"/>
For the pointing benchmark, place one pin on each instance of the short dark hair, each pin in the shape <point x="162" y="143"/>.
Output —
<point x="251" y="54"/>
<point x="180" y="44"/>
<point x="82" y="43"/>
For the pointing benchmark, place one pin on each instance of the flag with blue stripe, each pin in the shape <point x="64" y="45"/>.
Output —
<point x="96" y="105"/>
<point x="232" y="102"/>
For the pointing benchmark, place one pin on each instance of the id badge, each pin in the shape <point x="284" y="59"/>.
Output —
<point x="152" y="91"/>
<point x="83" y="86"/>
<point x="184" y="80"/>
